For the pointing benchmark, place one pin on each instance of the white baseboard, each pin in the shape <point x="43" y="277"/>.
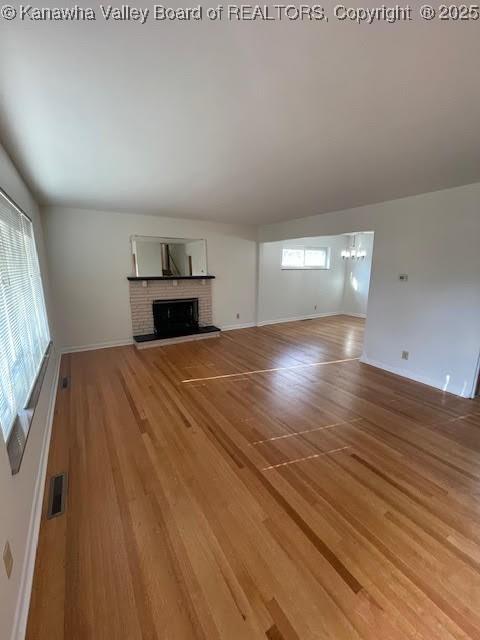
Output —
<point x="354" y="315"/>
<point x="226" y="327"/>
<point x="262" y="323"/>
<point x="403" y="373"/>
<point x="99" y="345"/>
<point x="26" y="581"/>
<point x="232" y="327"/>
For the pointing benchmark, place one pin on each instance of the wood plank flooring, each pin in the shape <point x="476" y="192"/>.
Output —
<point x="242" y="489"/>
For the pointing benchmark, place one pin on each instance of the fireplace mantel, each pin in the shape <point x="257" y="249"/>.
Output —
<point x="137" y="278"/>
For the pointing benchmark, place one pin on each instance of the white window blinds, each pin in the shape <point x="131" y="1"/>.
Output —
<point x="24" y="333"/>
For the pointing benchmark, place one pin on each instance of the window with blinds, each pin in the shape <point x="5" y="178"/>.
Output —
<point x="24" y="333"/>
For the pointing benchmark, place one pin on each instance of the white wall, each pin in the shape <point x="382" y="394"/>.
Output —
<point x="289" y="294"/>
<point x="435" y="315"/>
<point x="20" y="494"/>
<point x="357" y="278"/>
<point x="90" y="258"/>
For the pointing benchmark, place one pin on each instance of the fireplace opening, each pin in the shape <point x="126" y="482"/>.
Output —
<point x="177" y="317"/>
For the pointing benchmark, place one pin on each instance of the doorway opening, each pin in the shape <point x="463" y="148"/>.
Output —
<point x="317" y="277"/>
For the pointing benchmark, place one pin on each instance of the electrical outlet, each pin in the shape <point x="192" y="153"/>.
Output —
<point x="405" y="355"/>
<point x="8" y="559"/>
<point x="315" y="308"/>
<point x="403" y="277"/>
<point x="238" y="316"/>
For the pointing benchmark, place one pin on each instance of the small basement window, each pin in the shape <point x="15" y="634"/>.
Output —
<point x="306" y="258"/>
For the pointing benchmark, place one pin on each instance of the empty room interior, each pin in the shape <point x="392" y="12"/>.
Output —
<point x="239" y="322"/>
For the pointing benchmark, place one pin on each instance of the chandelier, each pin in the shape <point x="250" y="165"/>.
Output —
<point x="353" y="252"/>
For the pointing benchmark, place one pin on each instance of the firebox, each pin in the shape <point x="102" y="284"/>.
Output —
<point x="175" y="317"/>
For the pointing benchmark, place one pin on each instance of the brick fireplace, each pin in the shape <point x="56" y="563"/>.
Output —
<point x="143" y="292"/>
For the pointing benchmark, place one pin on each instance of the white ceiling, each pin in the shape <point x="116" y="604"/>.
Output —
<point x="249" y="121"/>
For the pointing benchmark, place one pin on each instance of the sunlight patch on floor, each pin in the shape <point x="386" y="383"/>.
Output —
<point x="250" y="373"/>
<point x="312" y="457"/>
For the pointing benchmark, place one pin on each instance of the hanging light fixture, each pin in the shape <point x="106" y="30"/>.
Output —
<point x="353" y="253"/>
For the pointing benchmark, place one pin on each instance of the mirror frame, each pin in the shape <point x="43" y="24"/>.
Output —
<point x="135" y="238"/>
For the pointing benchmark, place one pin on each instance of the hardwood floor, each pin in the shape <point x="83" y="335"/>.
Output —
<point x="242" y="488"/>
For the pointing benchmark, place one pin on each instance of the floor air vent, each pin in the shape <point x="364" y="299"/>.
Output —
<point x="58" y="495"/>
<point x="65" y="382"/>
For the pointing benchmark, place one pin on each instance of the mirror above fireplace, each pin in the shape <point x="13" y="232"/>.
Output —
<point x="169" y="257"/>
